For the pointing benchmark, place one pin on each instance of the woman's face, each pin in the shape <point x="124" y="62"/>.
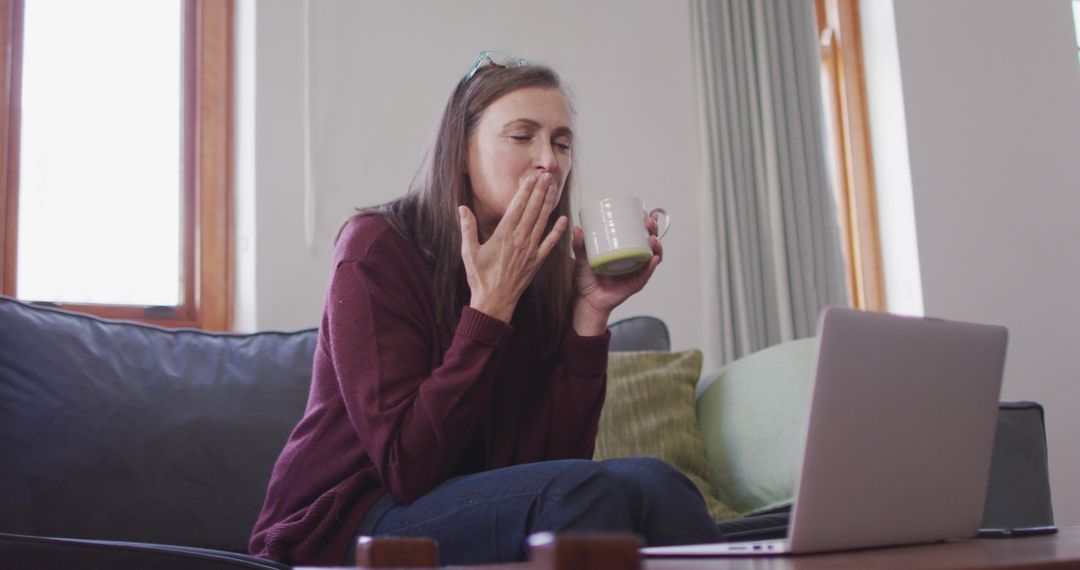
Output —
<point x="523" y="132"/>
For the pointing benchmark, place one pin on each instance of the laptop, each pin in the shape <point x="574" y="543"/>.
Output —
<point x="899" y="437"/>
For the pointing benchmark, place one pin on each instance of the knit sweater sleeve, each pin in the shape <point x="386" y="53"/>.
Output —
<point x="575" y="396"/>
<point x="413" y="418"/>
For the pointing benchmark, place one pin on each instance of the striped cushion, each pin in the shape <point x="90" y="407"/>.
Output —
<point x="649" y="411"/>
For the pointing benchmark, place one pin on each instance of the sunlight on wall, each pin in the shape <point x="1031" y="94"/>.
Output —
<point x="892" y="163"/>
<point x="100" y="168"/>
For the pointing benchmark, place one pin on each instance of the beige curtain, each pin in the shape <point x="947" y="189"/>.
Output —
<point x="778" y="260"/>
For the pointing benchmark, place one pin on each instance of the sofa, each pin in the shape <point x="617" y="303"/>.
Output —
<point x="128" y="445"/>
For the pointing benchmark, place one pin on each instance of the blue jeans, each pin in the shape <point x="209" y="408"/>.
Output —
<point x="486" y="517"/>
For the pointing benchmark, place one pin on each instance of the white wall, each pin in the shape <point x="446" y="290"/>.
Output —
<point x="382" y="72"/>
<point x="991" y="96"/>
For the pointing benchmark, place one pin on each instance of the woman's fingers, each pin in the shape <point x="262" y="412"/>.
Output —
<point x="553" y="236"/>
<point x="577" y="243"/>
<point x="517" y="205"/>
<point x="577" y="240"/>
<point x="529" y="210"/>
<point x="652" y="224"/>
<point x="532" y="214"/>
<point x="648" y="271"/>
<point x="551" y="200"/>
<point x="470" y="241"/>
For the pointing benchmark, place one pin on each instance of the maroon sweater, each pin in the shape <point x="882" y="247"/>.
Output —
<point x="395" y="407"/>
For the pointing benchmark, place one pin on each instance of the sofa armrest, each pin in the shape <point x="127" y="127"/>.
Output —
<point x="1018" y="495"/>
<point x="129" y="432"/>
<point x="639" y="333"/>
<point x="21" y="551"/>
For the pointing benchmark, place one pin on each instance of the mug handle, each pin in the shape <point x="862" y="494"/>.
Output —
<point x="663" y="223"/>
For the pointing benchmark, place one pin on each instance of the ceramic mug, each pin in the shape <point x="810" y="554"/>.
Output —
<point x="616" y="238"/>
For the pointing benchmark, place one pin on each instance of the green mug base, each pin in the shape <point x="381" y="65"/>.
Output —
<point x="620" y="262"/>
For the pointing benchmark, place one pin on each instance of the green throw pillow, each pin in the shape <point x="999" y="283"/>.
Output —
<point x="649" y="411"/>
<point x="753" y="415"/>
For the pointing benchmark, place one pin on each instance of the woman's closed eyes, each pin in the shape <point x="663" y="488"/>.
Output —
<point x="562" y="145"/>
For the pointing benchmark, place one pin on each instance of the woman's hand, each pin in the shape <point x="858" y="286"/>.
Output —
<point x="500" y="269"/>
<point x="598" y="295"/>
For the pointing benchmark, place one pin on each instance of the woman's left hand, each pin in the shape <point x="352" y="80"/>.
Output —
<point x="598" y="295"/>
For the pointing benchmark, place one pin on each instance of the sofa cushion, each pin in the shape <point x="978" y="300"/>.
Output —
<point x="130" y="432"/>
<point x="753" y="415"/>
<point x="649" y="411"/>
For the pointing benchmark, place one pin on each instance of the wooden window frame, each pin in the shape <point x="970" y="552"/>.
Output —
<point x="842" y="60"/>
<point x="208" y="264"/>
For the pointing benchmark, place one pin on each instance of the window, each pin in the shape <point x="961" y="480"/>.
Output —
<point x="1076" y="23"/>
<point x="114" y="139"/>
<point x="844" y="93"/>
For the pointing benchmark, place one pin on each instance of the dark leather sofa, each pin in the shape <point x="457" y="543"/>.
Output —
<point x="125" y="445"/>
<point x="130" y="446"/>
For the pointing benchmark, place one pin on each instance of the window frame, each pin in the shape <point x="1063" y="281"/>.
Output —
<point x="840" y="45"/>
<point x="208" y="259"/>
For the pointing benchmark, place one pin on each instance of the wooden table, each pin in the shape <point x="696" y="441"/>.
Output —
<point x="1046" y="552"/>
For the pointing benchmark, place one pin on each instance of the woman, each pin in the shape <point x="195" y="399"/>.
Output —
<point x="461" y="364"/>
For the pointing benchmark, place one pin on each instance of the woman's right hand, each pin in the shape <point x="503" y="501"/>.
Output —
<point x="500" y="269"/>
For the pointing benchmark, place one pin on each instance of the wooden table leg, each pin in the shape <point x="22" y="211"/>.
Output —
<point x="550" y="551"/>
<point x="395" y="552"/>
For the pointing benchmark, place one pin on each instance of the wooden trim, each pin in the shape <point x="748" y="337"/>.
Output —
<point x="160" y="316"/>
<point x="213" y="156"/>
<point x="830" y="56"/>
<point x="866" y="250"/>
<point x="842" y="50"/>
<point x="11" y="16"/>
<point x="821" y="16"/>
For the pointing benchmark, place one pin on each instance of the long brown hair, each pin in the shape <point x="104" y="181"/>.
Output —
<point x="427" y="214"/>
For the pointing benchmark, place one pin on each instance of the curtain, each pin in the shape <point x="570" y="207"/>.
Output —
<point x="777" y="260"/>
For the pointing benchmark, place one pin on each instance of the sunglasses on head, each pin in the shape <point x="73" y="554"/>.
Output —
<point x="493" y="58"/>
